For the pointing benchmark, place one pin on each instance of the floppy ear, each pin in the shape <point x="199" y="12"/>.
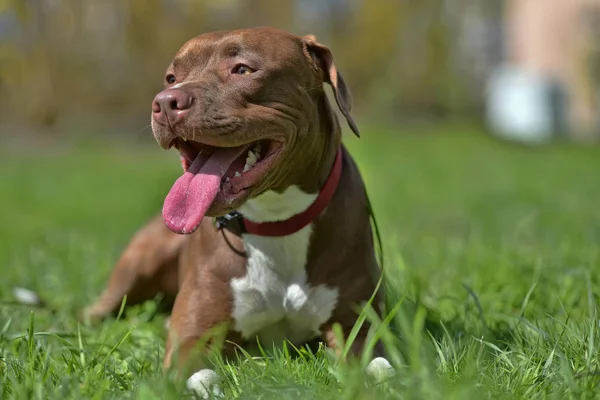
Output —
<point x="323" y="59"/>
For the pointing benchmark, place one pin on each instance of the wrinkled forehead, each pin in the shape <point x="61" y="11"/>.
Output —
<point x="269" y="46"/>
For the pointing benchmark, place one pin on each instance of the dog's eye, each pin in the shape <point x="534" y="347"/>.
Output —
<point x="242" y="69"/>
<point x="170" y="79"/>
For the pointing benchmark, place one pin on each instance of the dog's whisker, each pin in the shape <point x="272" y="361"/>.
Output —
<point x="147" y="129"/>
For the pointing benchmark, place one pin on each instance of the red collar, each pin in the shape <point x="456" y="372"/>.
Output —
<point x="299" y="221"/>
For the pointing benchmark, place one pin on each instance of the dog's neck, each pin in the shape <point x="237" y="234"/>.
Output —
<point x="272" y="206"/>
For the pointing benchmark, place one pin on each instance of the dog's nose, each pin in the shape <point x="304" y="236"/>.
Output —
<point x="170" y="106"/>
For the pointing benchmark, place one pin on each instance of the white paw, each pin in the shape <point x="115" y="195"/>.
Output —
<point x="380" y="369"/>
<point x="205" y="382"/>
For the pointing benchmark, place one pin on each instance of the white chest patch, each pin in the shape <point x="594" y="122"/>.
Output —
<point x="274" y="300"/>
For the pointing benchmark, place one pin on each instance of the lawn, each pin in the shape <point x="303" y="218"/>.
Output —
<point x="491" y="253"/>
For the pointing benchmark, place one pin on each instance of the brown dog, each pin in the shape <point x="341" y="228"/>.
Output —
<point x="249" y="115"/>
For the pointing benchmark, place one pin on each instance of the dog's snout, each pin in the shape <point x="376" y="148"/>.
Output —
<point x="170" y="106"/>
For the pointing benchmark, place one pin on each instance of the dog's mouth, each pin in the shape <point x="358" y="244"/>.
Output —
<point x="214" y="174"/>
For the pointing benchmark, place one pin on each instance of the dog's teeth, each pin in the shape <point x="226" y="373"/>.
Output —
<point x="251" y="157"/>
<point x="237" y="174"/>
<point x="227" y="179"/>
<point x="250" y="161"/>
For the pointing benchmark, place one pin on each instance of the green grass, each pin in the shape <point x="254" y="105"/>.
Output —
<point x="491" y="253"/>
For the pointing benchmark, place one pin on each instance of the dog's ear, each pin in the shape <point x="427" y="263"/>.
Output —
<point x="322" y="58"/>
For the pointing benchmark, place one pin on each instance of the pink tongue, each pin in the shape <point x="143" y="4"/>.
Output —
<point x="193" y="193"/>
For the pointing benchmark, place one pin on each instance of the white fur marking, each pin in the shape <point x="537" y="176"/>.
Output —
<point x="274" y="300"/>
<point x="272" y="206"/>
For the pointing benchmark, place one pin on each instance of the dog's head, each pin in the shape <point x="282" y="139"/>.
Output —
<point x="247" y="111"/>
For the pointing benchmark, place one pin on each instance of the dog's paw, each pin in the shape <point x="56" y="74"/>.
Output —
<point x="380" y="369"/>
<point x="205" y="382"/>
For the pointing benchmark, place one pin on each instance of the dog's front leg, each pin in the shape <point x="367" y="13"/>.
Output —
<point x="148" y="266"/>
<point x="199" y="327"/>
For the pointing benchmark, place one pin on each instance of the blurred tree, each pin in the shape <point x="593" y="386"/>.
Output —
<point x="277" y="13"/>
<point x="143" y="38"/>
<point x="27" y="70"/>
<point x="365" y="40"/>
<point x="73" y="57"/>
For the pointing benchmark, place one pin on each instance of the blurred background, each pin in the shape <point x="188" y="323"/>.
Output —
<point x="437" y="85"/>
<point x="445" y="94"/>
<point x="528" y="69"/>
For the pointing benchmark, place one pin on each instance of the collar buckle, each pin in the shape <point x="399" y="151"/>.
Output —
<point x="225" y="220"/>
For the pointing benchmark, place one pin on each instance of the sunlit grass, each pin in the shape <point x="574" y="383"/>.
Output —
<point x="491" y="256"/>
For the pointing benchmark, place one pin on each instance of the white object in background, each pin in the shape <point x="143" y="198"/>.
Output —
<point x="520" y="105"/>
<point x="27" y="297"/>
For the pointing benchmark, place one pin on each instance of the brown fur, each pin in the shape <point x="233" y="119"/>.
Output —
<point x="286" y="102"/>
